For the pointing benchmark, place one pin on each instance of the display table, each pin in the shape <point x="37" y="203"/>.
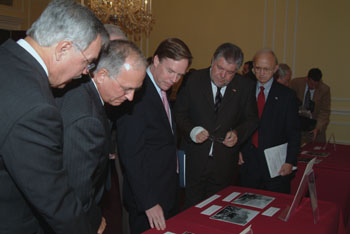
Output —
<point x="191" y="220"/>
<point x="332" y="176"/>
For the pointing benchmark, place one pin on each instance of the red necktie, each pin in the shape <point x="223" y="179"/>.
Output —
<point x="261" y="104"/>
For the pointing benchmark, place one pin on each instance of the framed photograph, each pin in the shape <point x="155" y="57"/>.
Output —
<point x="236" y="215"/>
<point x="254" y="200"/>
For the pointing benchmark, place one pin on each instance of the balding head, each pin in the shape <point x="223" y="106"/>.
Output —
<point x="265" y="65"/>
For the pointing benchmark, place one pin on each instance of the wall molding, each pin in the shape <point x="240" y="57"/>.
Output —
<point x="340" y="112"/>
<point x="10" y="22"/>
<point x="335" y="99"/>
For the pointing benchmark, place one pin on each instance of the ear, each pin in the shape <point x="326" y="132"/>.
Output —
<point x="276" y="68"/>
<point x="62" y="48"/>
<point x="156" y="60"/>
<point x="101" y="75"/>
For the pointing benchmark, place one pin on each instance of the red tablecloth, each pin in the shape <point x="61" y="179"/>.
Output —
<point x="192" y="220"/>
<point x="332" y="176"/>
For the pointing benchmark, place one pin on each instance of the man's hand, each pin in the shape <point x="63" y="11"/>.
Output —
<point x="286" y="169"/>
<point x="202" y="136"/>
<point x="156" y="217"/>
<point x="231" y="138"/>
<point x="102" y="226"/>
<point x="314" y="134"/>
<point x="240" y="158"/>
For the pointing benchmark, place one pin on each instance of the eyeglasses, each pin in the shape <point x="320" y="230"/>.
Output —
<point x="263" y="69"/>
<point x="125" y="90"/>
<point x="214" y="138"/>
<point x="89" y="65"/>
<point x="221" y="69"/>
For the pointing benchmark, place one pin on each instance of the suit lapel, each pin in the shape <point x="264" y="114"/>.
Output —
<point x="207" y="89"/>
<point x="231" y="91"/>
<point x="272" y="100"/>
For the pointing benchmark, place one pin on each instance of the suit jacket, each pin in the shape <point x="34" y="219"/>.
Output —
<point x="147" y="149"/>
<point x="195" y="107"/>
<point x="86" y="139"/>
<point x="279" y="124"/>
<point x="33" y="183"/>
<point x="322" y="99"/>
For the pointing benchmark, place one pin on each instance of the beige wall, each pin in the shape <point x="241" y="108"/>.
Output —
<point x="303" y="33"/>
<point x="22" y="14"/>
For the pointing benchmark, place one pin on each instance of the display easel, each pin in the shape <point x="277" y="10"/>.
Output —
<point x="308" y="178"/>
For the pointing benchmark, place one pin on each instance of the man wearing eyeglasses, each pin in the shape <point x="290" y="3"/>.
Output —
<point x="279" y="124"/>
<point x="87" y="132"/>
<point x="216" y="112"/>
<point x="35" y="196"/>
<point x="146" y="140"/>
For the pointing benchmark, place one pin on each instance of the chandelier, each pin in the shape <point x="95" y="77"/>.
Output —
<point x="134" y="17"/>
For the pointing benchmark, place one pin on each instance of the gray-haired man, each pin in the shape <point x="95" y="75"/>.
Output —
<point x="36" y="197"/>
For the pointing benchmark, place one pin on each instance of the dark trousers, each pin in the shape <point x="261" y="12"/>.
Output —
<point x="254" y="173"/>
<point x="205" y="187"/>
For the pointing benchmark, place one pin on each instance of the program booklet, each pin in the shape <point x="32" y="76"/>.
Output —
<point x="254" y="200"/>
<point x="236" y="215"/>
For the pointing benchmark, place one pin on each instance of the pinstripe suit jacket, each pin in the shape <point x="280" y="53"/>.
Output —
<point x="33" y="184"/>
<point x="86" y="138"/>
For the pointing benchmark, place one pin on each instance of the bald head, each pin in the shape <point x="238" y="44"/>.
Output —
<point x="265" y="65"/>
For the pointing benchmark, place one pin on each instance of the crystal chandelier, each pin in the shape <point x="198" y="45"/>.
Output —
<point x="134" y="17"/>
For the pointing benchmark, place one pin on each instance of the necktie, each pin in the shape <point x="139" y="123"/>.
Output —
<point x="307" y="101"/>
<point x="218" y="99"/>
<point x="261" y="104"/>
<point x="166" y="105"/>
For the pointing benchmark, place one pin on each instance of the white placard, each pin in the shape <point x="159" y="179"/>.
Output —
<point x="211" y="210"/>
<point x="271" y="211"/>
<point x="231" y="197"/>
<point x="207" y="201"/>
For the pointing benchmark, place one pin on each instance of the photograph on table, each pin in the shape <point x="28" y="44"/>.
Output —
<point x="236" y="215"/>
<point x="254" y="200"/>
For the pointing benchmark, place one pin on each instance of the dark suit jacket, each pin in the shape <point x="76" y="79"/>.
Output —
<point x="86" y="139"/>
<point x="195" y="107"/>
<point x="33" y="183"/>
<point x="279" y="124"/>
<point x="147" y="149"/>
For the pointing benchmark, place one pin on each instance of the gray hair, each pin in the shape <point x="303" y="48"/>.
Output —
<point x="230" y="52"/>
<point x="115" y="31"/>
<point x="265" y="51"/>
<point x="113" y="58"/>
<point x="283" y="70"/>
<point x="67" y="20"/>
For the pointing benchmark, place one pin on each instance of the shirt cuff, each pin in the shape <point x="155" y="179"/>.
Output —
<point x="195" y="131"/>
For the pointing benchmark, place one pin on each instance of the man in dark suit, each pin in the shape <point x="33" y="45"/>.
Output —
<point x="216" y="112"/>
<point x="147" y="143"/>
<point x="35" y="196"/>
<point x="279" y="124"/>
<point x="120" y="70"/>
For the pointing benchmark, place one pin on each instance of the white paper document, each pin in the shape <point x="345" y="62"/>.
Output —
<point x="275" y="158"/>
<point x="211" y="210"/>
<point x="207" y="201"/>
<point x="231" y="197"/>
<point x="270" y="211"/>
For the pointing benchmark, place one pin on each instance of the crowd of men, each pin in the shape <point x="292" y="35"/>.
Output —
<point x="71" y="79"/>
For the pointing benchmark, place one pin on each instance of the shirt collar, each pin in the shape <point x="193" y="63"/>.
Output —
<point x="149" y="73"/>
<point x="25" y="45"/>
<point x="103" y="103"/>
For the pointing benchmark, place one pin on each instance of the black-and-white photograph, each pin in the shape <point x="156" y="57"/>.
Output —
<point x="236" y="215"/>
<point x="254" y="200"/>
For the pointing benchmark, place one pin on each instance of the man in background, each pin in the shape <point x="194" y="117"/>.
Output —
<point x="283" y="74"/>
<point x="120" y="70"/>
<point x="147" y="141"/>
<point x="315" y="99"/>
<point x="216" y="112"/>
<point x="36" y="197"/>
<point x="279" y="124"/>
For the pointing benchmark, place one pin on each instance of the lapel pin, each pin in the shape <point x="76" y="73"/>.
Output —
<point x="276" y="98"/>
<point x="234" y="90"/>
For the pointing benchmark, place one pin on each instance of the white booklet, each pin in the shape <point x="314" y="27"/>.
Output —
<point x="275" y="158"/>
